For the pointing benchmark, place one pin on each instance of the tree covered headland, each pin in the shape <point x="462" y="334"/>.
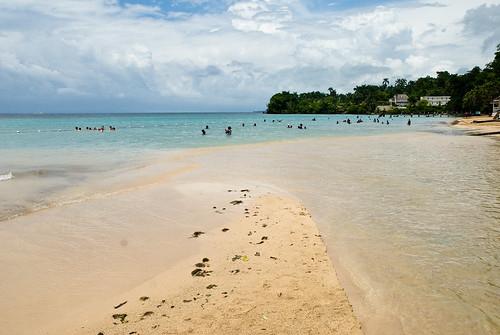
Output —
<point x="470" y="92"/>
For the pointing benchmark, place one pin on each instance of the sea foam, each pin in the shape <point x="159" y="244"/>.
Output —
<point x="7" y="176"/>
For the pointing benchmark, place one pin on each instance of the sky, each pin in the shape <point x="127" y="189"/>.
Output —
<point x="226" y="55"/>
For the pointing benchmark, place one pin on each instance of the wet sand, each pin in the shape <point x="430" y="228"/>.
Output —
<point x="66" y="267"/>
<point x="265" y="273"/>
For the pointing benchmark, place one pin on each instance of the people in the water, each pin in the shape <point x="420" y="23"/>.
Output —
<point x="100" y="129"/>
<point x="229" y="130"/>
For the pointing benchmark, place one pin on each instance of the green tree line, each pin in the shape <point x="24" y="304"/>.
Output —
<point x="470" y="92"/>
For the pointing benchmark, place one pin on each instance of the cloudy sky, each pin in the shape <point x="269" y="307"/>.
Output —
<point x="225" y="55"/>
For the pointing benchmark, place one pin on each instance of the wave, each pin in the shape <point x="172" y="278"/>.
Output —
<point x="7" y="176"/>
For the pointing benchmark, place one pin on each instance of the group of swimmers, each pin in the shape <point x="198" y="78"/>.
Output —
<point x="300" y="126"/>
<point x="228" y="131"/>
<point x="100" y="129"/>
<point x="375" y="120"/>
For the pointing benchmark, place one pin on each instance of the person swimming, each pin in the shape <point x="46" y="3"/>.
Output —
<point x="203" y="132"/>
<point x="228" y="130"/>
<point x="409" y="122"/>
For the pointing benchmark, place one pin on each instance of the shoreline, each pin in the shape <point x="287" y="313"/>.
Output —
<point x="134" y="174"/>
<point x="478" y="126"/>
<point x="157" y="161"/>
<point x="143" y="233"/>
<point x="267" y="272"/>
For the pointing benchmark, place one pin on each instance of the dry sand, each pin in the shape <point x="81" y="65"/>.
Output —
<point x="267" y="272"/>
<point x="479" y="125"/>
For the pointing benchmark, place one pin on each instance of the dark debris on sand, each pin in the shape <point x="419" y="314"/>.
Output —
<point x="197" y="234"/>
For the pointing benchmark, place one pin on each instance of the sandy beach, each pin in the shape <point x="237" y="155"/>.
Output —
<point x="479" y="125"/>
<point x="265" y="273"/>
<point x="184" y="252"/>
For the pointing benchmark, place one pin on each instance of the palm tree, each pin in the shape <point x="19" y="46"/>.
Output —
<point x="385" y="82"/>
<point x="333" y="93"/>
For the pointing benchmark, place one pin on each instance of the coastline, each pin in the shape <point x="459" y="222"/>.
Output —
<point x="267" y="272"/>
<point x="141" y="234"/>
<point x="478" y="126"/>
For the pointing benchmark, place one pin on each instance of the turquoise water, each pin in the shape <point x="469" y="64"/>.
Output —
<point x="183" y="130"/>
<point x="41" y="155"/>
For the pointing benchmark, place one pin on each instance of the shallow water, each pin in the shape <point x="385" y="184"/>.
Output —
<point x="46" y="156"/>
<point x="417" y="227"/>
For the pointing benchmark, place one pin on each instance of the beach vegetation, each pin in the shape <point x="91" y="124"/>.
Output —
<point x="471" y="91"/>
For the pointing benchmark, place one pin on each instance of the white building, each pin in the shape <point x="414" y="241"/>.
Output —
<point x="496" y="108"/>
<point x="400" y="100"/>
<point x="436" y="100"/>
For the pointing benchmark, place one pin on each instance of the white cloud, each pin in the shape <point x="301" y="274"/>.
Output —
<point x="98" y="50"/>
<point x="267" y="16"/>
